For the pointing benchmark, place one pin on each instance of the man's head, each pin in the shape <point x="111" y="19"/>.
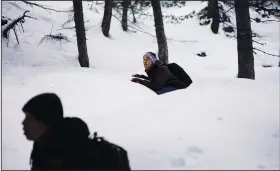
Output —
<point x="149" y="59"/>
<point x="42" y="112"/>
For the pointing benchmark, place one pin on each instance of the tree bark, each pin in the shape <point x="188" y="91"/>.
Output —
<point x="133" y="12"/>
<point x="106" y="22"/>
<point x="244" y="40"/>
<point x="124" y="15"/>
<point x="160" y="34"/>
<point x="80" y="33"/>
<point x="213" y="12"/>
<point x="4" y="22"/>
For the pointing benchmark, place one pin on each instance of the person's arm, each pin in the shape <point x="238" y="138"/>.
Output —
<point x="140" y="76"/>
<point x="161" y="78"/>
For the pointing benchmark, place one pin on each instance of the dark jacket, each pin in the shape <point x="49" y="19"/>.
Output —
<point x="159" y="76"/>
<point x="63" y="148"/>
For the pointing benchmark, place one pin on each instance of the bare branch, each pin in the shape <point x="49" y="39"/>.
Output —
<point x="44" y="7"/>
<point x="31" y="17"/>
<point x="18" y="28"/>
<point x="58" y="37"/>
<point x="229" y="10"/>
<point x="16" y="34"/>
<point x="133" y="31"/>
<point x="70" y="19"/>
<point x="257" y="20"/>
<point x="266" y="52"/>
<point x="22" y="27"/>
<point x="252" y="40"/>
<point x="13" y="24"/>
<point x="269" y="21"/>
<point x="142" y="31"/>
<point x="233" y="26"/>
<point x="259" y="42"/>
<point x="66" y="28"/>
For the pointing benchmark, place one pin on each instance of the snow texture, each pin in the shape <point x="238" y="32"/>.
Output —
<point x="219" y="122"/>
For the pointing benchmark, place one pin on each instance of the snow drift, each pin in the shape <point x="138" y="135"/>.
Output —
<point x="219" y="122"/>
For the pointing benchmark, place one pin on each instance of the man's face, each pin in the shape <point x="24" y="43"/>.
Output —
<point x="147" y="62"/>
<point x="32" y="128"/>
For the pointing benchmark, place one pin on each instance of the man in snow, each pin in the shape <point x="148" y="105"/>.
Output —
<point x="159" y="76"/>
<point x="58" y="142"/>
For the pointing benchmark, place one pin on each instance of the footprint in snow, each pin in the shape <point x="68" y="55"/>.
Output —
<point x="47" y="19"/>
<point x="261" y="167"/>
<point x="194" y="150"/>
<point x="193" y="156"/>
<point x="276" y="136"/>
<point x="191" y="160"/>
<point x="178" y="162"/>
<point x="220" y="118"/>
<point x="268" y="155"/>
<point x="26" y="42"/>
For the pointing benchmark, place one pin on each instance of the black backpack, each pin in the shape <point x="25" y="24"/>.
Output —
<point x="180" y="73"/>
<point x="107" y="156"/>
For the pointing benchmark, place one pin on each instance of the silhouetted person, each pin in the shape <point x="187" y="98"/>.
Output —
<point x="64" y="143"/>
<point x="59" y="143"/>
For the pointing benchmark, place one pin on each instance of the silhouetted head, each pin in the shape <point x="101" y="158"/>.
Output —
<point x="42" y="112"/>
<point x="149" y="59"/>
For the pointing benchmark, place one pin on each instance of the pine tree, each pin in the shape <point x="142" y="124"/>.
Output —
<point x="80" y="33"/>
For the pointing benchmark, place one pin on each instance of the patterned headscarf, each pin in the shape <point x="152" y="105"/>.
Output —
<point x="151" y="56"/>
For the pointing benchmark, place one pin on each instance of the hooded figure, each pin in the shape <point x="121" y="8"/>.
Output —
<point x="59" y="143"/>
<point x="159" y="76"/>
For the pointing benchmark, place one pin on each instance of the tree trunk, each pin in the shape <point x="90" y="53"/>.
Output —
<point x="106" y="22"/>
<point x="213" y="12"/>
<point x="124" y="15"/>
<point x="161" y="39"/>
<point x="133" y="12"/>
<point x="80" y="33"/>
<point x="4" y="21"/>
<point x="244" y="40"/>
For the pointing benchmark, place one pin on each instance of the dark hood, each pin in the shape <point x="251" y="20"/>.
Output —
<point x="46" y="108"/>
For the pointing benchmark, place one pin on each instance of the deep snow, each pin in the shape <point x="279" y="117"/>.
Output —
<point x="219" y="122"/>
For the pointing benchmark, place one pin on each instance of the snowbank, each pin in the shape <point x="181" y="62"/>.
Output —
<point x="219" y="122"/>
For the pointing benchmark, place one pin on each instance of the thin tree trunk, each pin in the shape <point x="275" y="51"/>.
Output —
<point x="213" y="12"/>
<point x="106" y="22"/>
<point x="124" y="15"/>
<point x="161" y="39"/>
<point x="80" y="33"/>
<point x="244" y="40"/>
<point x="133" y="12"/>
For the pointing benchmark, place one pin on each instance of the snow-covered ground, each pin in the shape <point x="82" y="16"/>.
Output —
<point x="219" y="122"/>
